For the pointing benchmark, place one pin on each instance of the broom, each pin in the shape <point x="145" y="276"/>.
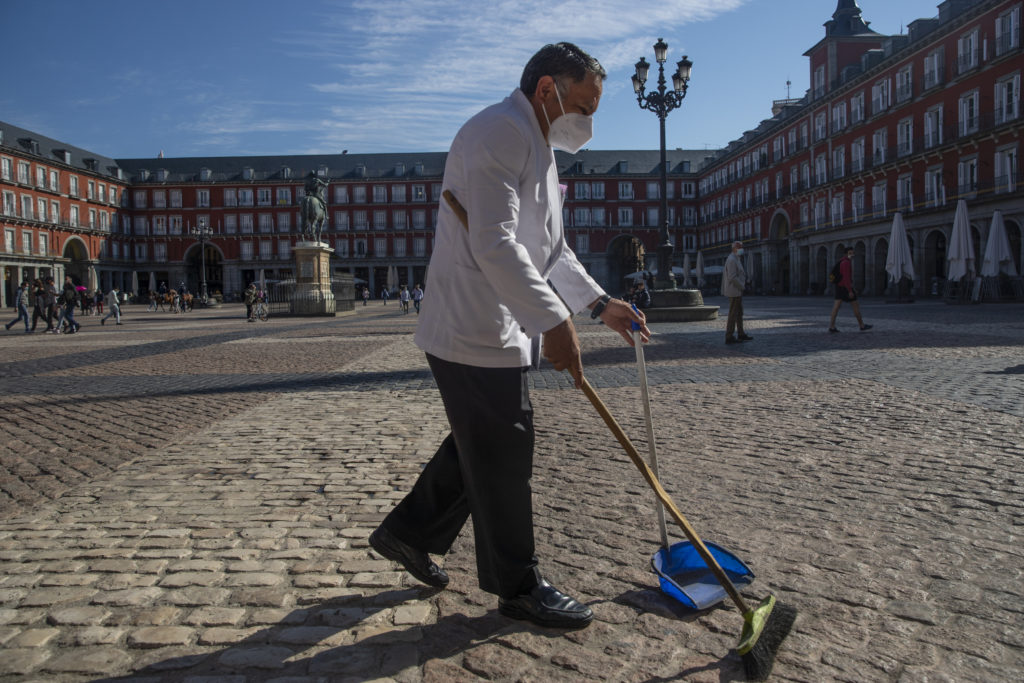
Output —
<point x="765" y="626"/>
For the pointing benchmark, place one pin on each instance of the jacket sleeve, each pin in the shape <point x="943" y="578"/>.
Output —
<point x="493" y="181"/>
<point x="573" y="283"/>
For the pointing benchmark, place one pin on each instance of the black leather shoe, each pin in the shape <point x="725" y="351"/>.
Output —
<point x="744" y="337"/>
<point x="545" y="605"/>
<point x="732" y="340"/>
<point x="416" y="562"/>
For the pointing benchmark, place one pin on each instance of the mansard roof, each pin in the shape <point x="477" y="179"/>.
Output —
<point x="30" y="144"/>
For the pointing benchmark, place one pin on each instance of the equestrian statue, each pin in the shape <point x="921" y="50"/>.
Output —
<point x="314" y="208"/>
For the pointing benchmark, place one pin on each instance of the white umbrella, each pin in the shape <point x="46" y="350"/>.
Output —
<point x="749" y="266"/>
<point x="998" y="258"/>
<point x="152" y="282"/>
<point x="700" y="268"/>
<point x="392" y="278"/>
<point x="961" y="249"/>
<point x="135" y="282"/>
<point x="638" y="275"/>
<point x="686" y="271"/>
<point x="899" y="263"/>
<point x="262" y="280"/>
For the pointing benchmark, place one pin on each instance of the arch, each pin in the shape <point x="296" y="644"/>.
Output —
<point x="933" y="263"/>
<point x="76" y="251"/>
<point x="879" y="276"/>
<point x="779" y="225"/>
<point x="620" y="260"/>
<point x="214" y="268"/>
<point x="1013" y="235"/>
<point x="821" y="267"/>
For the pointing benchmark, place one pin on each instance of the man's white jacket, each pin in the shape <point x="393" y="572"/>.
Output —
<point x="487" y="291"/>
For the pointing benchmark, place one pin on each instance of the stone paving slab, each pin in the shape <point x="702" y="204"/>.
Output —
<point x="871" y="481"/>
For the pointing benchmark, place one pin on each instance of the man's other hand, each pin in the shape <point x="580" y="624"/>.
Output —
<point x="562" y="348"/>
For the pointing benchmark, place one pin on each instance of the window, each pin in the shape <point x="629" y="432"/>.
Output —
<point x="838" y="162"/>
<point x="905" y="193"/>
<point x="1008" y="31"/>
<point x="263" y="196"/>
<point x="230" y="222"/>
<point x="820" y="169"/>
<point x="341" y="220"/>
<point x="805" y="175"/>
<point x="933" y="127"/>
<point x="819" y="212"/>
<point x="266" y="221"/>
<point x="905" y="136"/>
<point x="819" y="82"/>
<point x="141" y="252"/>
<point x="9" y="239"/>
<point x="969" y="113"/>
<point x="399" y="220"/>
<point x="284" y="196"/>
<point x="935" y="191"/>
<point x="625" y="216"/>
<point x="653" y="190"/>
<point x="435" y="192"/>
<point x="360" y="247"/>
<point x="203" y="199"/>
<point x="55" y="183"/>
<point x="967" y="175"/>
<point x="266" y="250"/>
<point x="245" y="250"/>
<point x="803" y="135"/>
<point x="1006" y="169"/>
<point x="340" y="194"/>
<point x="792" y="141"/>
<point x="159" y="225"/>
<point x="23" y="172"/>
<point x="597" y="190"/>
<point x="159" y="199"/>
<point x="582" y="190"/>
<point x="26" y="207"/>
<point x="626" y="191"/>
<point x="73" y="185"/>
<point x="245" y="197"/>
<point x="838" y="209"/>
<point x="967" y="51"/>
<point x="879" y="141"/>
<point x="341" y="247"/>
<point x="41" y="210"/>
<point x="141" y="227"/>
<point x="245" y="223"/>
<point x="419" y="193"/>
<point x="6" y="168"/>
<point x="857" y="156"/>
<point x="380" y="246"/>
<point x="113" y="195"/>
<point x="380" y="194"/>
<point x="581" y="216"/>
<point x="380" y="220"/>
<point x="820" y="130"/>
<point x="44" y="244"/>
<point x="857" y="203"/>
<point x="284" y="222"/>
<point x="10" y="207"/>
<point x="778" y="185"/>
<point x="359" y="194"/>
<point x="160" y="251"/>
<point x="794" y="179"/>
<point x="419" y="246"/>
<point x="398" y="193"/>
<point x="839" y="116"/>
<point x="880" y="93"/>
<point x="778" y="145"/>
<point x="73" y="217"/>
<point x="597" y="216"/>
<point x="419" y="219"/>
<point x="1007" y="99"/>
<point x="40" y="177"/>
<point x="140" y="199"/>
<point x="174" y="225"/>
<point x="652" y="216"/>
<point x="878" y="199"/>
<point x="90" y="192"/>
<point x="399" y="245"/>
<point x="934" y="69"/>
<point x="904" y="84"/>
<point x="582" y="243"/>
<point x="360" y="221"/>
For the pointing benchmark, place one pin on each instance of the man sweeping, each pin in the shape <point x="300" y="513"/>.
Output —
<point x="500" y="286"/>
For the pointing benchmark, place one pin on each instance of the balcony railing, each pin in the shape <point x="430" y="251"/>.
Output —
<point x="934" y="78"/>
<point x="966" y="61"/>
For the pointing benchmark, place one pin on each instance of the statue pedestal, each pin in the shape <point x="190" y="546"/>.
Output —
<point x="313" y="295"/>
<point x="678" y="306"/>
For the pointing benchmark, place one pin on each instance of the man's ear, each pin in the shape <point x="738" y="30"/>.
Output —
<point x="544" y="87"/>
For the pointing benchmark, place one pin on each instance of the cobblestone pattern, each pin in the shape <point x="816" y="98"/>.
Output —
<point x="876" y="499"/>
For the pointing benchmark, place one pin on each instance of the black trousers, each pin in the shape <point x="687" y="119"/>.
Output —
<point x="482" y="468"/>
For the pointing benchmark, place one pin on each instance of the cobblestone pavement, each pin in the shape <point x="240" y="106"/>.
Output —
<point x="187" y="498"/>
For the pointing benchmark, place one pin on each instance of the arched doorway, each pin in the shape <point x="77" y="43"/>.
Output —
<point x="934" y="263"/>
<point x="77" y="265"/>
<point x="214" y="269"/>
<point x="1013" y="235"/>
<point x="779" y="236"/>
<point x="622" y="260"/>
<point x="804" y="271"/>
<point x="879" y="276"/>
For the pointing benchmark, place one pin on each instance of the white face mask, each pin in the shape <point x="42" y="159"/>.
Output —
<point x="739" y="252"/>
<point x="570" y="131"/>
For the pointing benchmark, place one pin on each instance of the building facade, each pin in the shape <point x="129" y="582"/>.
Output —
<point x="910" y="123"/>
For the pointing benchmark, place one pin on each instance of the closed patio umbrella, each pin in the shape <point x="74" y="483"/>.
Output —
<point x="135" y="282"/>
<point x="899" y="263"/>
<point x="700" y="268"/>
<point x="998" y="258"/>
<point x="961" y="250"/>
<point x="686" y="271"/>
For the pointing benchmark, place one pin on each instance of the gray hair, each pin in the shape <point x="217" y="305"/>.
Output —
<point x="561" y="60"/>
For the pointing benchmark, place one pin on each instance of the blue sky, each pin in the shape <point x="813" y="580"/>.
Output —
<point x="129" y="78"/>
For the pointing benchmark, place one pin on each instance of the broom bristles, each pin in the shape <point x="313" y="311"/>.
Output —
<point x="757" y="663"/>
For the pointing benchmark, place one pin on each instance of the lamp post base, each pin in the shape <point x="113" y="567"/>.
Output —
<point x="678" y="306"/>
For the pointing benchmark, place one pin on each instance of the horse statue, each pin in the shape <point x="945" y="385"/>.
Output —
<point x="314" y="209"/>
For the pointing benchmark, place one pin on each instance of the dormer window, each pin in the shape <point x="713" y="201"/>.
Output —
<point x="247" y="173"/>
<point x="204" y="174"/>
<point x="360" y="170"/>
<point x="143" y="175"/>
<point x="399" y="169"/>
<point x="322" y="171"/>
<point x="418" y="168"/>
<point x="161" y="175"/>
<point x="286" y="172"/>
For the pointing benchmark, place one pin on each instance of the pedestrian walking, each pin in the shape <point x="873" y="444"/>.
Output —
<point x="417" y="297"/>
<point x="403" y="298"/>
<point x="114" y="301"/>
<point x="21" y="299"/>
<point x="842" y="273"/>
<point x="38" y="299"/>
<point x="250" y="301"/>
<point x="71" y="299"/>
<point x="366" y="295"/>
<point x="734" y="279"/>
<point x="487" y="328"/>
<point x="385" y="295"/>
<point x="51" y="302"/>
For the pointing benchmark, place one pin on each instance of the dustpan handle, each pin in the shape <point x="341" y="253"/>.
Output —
<point x="655" y="485"/>
<point x="652" y="449"/>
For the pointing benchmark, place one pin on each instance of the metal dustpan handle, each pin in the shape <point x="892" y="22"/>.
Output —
<point x="652" y="448"/>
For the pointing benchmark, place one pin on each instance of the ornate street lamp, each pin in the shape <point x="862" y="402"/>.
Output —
<point x="203" y="233"/>
<point x="661" y="102"/>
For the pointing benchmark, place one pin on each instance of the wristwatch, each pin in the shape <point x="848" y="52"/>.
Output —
<point x="599" y="306"/>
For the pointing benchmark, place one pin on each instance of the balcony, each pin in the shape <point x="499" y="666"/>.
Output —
<point x="966" y="61"/>
<point x="934" y="78"/>
<point x="1007" y="43"/>
<point x="904" y="92"/>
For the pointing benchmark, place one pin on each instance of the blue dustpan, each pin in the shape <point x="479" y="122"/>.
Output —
<point x="684" y="575"/>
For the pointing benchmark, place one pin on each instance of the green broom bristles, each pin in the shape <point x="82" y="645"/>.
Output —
<point x="764" y="629"/>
